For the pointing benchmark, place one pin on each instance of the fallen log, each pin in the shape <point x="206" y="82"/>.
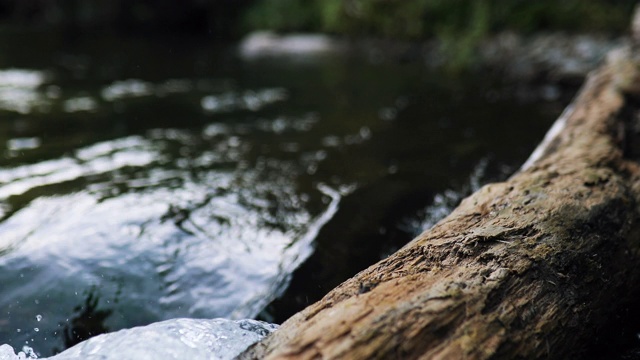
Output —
<point x="527" y="268"/>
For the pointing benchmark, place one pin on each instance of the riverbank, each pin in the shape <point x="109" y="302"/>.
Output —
<point x="555" y="57"/>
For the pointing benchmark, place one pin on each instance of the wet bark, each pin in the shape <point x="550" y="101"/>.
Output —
<point x="527" y="268"/>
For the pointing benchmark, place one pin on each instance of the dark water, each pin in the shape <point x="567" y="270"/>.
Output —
<point x="142" y="180"/>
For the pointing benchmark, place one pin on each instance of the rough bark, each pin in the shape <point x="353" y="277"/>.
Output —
<point x="527" y="268"/>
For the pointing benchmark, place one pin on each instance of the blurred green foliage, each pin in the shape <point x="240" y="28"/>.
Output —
<point x="424" y="18"/>
<point x="463" y="20"/>
<point x="387" y="18"/>
<point x="460" y="25"/>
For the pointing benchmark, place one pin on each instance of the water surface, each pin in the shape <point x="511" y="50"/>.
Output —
<point x="143" y="180"/>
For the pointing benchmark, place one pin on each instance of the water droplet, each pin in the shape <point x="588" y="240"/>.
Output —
<point x="28" y="353"/>
<point x="18" y="330"/>
<point x="38" y="317"/>
<point x="36" y="329"/>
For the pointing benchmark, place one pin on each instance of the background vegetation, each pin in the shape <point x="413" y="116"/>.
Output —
<point x="225" y="19"/>
<point x="425" y="18"/>
<point x="460" y="25"/>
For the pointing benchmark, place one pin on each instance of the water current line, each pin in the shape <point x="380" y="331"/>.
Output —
<point x="298" y="251"/>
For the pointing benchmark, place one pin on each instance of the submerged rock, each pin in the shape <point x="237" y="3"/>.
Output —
<point x="557" y="56"/>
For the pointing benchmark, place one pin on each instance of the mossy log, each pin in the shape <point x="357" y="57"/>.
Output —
<point x="527" y="268"/>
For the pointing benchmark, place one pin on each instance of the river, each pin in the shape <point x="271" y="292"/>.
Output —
<point x="145" y="179"/>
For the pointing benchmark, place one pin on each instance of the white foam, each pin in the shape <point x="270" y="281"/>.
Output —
<point x="216" y="339"/>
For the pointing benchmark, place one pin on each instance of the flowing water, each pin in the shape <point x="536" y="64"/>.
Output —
<point x="144" y="179"/>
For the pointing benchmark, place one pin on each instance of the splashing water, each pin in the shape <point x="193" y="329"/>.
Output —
<point x="7" y="353"/>
<point x="217" y="339"/>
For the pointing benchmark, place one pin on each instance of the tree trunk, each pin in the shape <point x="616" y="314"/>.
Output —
<point x="527" y="268"/>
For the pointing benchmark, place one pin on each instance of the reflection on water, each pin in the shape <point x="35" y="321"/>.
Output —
<point x="445" y="202"/>
<point x="134" y="190"/>
<point x="87" y="321"/>
<point x="18" y="90"/>
<point x="174" y="236"/>
<point x="249" y="100"/>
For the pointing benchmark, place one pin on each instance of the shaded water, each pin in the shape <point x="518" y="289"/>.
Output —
<point x="145" y="180"/>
